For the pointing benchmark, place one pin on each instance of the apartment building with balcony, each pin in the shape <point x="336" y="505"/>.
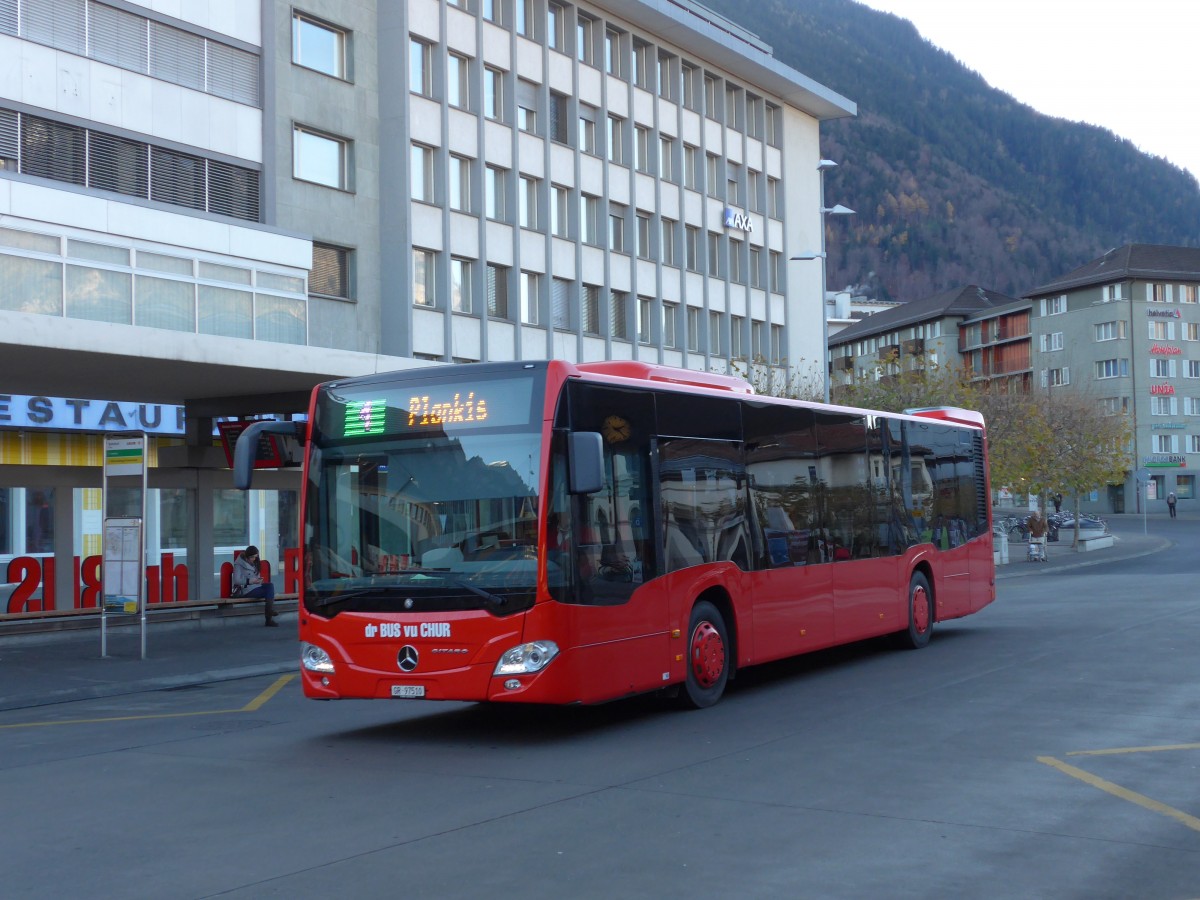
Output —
<point x="922" y="334"/>
<point x="995" y="346"/>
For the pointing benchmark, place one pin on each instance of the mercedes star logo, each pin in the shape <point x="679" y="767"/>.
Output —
<point x="407" y="658"/>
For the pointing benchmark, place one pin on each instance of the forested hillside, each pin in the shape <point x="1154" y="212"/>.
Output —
<point x="954" y="181"/>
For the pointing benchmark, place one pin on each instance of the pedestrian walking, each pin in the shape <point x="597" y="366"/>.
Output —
<point x="1171" y="504"/>
<point x="1057" y="498"/>
<point x="1037" y="537"/>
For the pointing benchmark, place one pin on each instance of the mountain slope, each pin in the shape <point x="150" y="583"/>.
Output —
<point x="956" y="182"/>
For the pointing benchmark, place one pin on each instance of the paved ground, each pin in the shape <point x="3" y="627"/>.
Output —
<point x="57" y="667"/>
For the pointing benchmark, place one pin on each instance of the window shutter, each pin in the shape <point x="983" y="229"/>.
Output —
<point x="117" y="37"/>
<point x="560" y="303"/>
<point x="497" y="291"/>
<point x="232" y="190"/>
<point x="1066" y="375"/>
<point x="8" y="16"/>
<point x="9" y="135"/>
<point x="118" y="164"/>
<point x="330" y="272"/>
<point x="1045" y="378"/>
<point x="53" y="150"/>
<point x="176" y="56"/>
<point x="619" y="316"/>
<point x="177" y="178"/>
<point x="57" y="23"/>
<point x="233" y="73"/>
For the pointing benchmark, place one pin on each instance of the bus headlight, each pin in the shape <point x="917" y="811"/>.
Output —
<point x="315" y="659"/>
<point x="525" y="659"/>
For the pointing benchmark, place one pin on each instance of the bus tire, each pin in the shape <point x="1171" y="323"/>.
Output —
<point x="708" y="657"/>
<point x="920" y="614"/>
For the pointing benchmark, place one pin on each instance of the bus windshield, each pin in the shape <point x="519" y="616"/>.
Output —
<point x="423" y="496"/>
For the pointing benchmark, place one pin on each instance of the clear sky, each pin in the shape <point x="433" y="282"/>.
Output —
<point x="1131" y="66"/>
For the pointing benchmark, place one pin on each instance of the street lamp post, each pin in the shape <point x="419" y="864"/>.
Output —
<point x="837" y="210"/>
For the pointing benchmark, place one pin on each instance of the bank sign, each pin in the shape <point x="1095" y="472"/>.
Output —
<point x="1164" y="461"/>
<point x="65" y="414"/>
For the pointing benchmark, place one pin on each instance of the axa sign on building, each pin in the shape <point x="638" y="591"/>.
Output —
<point x="735" y="219"/>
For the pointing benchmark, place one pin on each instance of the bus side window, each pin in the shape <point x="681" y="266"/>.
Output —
<point x="702" y="484"/>
<point x="781" y="459"/>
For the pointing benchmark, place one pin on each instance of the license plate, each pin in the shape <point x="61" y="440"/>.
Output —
<point x="408" y="690"/>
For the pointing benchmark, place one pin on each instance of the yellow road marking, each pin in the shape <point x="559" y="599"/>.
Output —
<point x="268" y="693"/>
<point x="253" y="705"/>
<point x="1118" y="750"/>
<point x="1124" y="793"/>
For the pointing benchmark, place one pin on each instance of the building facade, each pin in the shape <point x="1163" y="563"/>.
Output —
<point x="944" y="330"/>
<point x="1124" y="331"/>
<point x="212" y="206"/>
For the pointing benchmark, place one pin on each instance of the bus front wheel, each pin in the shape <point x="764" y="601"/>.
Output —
<point x="920" y="613"/>
<point x="708" y="657"/>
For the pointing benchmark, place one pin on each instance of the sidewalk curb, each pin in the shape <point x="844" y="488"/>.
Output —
<point x="1159" y="545"/>
<point x="164" y="682"/>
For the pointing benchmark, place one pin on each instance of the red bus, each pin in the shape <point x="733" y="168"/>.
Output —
<point x="546" y="532"/>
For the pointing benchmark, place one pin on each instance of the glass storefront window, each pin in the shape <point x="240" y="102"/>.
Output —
<point x="230" y="512"/>
<point x="39" y="520"/>
<point x="6" y="527"/>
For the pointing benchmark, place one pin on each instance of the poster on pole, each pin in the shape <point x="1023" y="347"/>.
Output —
<point x="122" y="572"/>
<point x="124" y="456"/>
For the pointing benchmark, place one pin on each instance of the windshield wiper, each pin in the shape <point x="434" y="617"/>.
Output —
<point x="353" y="595"/>
<point x="494" y="599"/>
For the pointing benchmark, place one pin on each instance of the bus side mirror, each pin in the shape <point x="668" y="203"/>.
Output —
<point x="585" y="460"/>
<point x="247" y="444"/>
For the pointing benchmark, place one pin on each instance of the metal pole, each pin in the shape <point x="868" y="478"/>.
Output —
<point x="824" y="310"/>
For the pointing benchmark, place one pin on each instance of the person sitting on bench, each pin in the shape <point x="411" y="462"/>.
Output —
<point x="247" y="582"/>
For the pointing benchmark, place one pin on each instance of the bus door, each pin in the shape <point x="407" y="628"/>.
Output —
<point x="793" y="590"/>
<point x="951" y="517"/>
<point x="617" y="624"/>
<point x="864" y="577"/>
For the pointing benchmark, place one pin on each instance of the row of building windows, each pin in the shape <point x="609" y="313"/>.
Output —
<point x="595" y="134"/>
<point x="120" y="38"/>
<point x="1117" y="330"/>
<point x="622" y="230"/>
<point x="1156" y="292"/>
<point x="573" y="307"/>
<point x="92" y="158"/>
<point x="1169" y="406"/>
<point x="1172" y="443"/>
<point x="609" y="47"/>
<point x="107" y="283"/>
<point x="1159" y="368"/>
<point x="872" y="345"/>
<point x="325" y="159"/>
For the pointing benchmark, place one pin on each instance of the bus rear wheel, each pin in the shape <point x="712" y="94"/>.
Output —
<point x="920" y="613"/>
<point x="708" y="657"/>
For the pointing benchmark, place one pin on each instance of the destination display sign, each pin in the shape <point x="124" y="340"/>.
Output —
<point x="432" y="407"/>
